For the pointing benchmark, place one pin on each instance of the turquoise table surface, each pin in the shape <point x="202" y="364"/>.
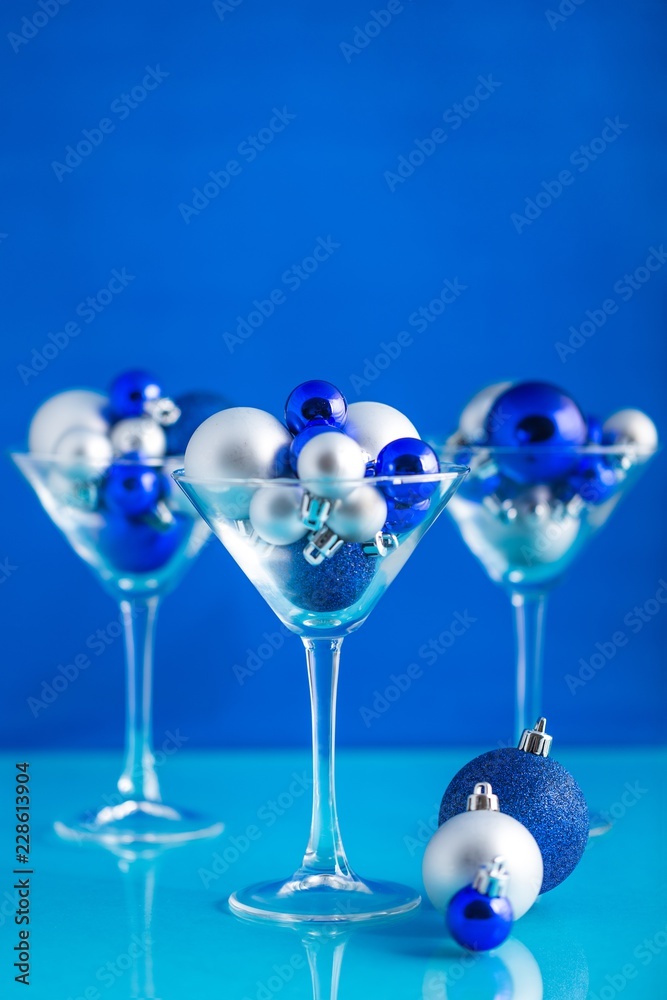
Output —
<point x="104" y="928"/>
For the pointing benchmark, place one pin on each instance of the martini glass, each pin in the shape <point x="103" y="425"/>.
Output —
<point x="321" y="604"/>
<point x="527" y="536"/>
<point x="137" y="561"/>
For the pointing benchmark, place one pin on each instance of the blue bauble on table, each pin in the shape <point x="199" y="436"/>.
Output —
<point x="133" y="545"/>
<point x="408" y="457"/>
<point x="131" y="391"/>
<point x="133" y="489"/>
<point x="477" y="920"/>
<point x="195" y="408"/>
<point x="314" y="401"/>
<point x="540" y="424"/>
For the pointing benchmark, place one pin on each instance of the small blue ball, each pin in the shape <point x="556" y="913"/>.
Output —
<point x="538" y="792"/>
<point x="401" y="519"/>
<point x="132" y="545"/>
<point x="335" y="584"/>
<point x="132" y="489"/>
<point x="542" y="426"/>
<point x="130" y="391"/>
<point x="195" y="407"/>
<point x="315" y="400"/>
<point x="407" y="457"/>
<point x="595" y="432"/>
<point x="594" y="479"/>
<point x="479" y="922"/>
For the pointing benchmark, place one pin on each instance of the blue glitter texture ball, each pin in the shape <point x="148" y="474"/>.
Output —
<point x="335" y="584"/>
<point x="479" y="922"/>
<point x="538" y="792"/>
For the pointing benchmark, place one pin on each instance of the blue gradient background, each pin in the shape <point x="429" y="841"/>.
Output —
<point x="324" y="176"/>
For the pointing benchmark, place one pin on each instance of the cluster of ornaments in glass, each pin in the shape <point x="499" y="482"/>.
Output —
<point x="338" y="498"/>
<point x="537" y="462"/>
<point x="107" y="460"/>
<point x="513" y="824"/>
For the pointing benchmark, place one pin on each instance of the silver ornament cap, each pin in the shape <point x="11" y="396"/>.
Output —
<point x="537" y="740"/>
<point x="483" y="797"/>
<point x="492" y="880"/>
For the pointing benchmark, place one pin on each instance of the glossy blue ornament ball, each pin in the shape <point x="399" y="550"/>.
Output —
<point x="195" y="407"/>
<point x="401" y="519"/>
<point x="134" y="545"/>
<point x="315" y="400"/>
<point x="407" y="457"/>
<point x="132" y="489"/>
<point x="539" y="793"/>
<point x="540" y="424"/>
<point x="479" y="922"/>
<point x="131" y="391"/>
<point x="595" y="479"/>
<point x="595" y="432"/>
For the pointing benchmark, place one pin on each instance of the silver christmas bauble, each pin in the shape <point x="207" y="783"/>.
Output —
<point x="634" y="429"/>
<point x="80" y="448"/>
<point x="138" y="434"/>
<point x="275" y="514"/>
<point x="74" y="408"/>
<point x="472" y="422"/>
<point x="327" y="461"/>
<point x="457" y="849"/>
<point x="240" y="442"/>
<point x="374" y="425"/>
<point x="360" y="515"/>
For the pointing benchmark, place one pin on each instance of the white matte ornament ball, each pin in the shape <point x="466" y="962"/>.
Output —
<point x="138" y="434"/>
<point x="275" y="514"/>
<point x="81" y="448"/>
<point x="327" y="459"/>
<point x="633" y="428"/>
<point x="74" y="408"/>
<point x="374" y="425"/>
<point x="360" y="515"/>
<point x="457" y="849"/>
<point x="472" y="421"/>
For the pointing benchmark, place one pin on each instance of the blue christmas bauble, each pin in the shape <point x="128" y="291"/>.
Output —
<point x="408" y="457"/>
<point x="401" y="519"/>
<point x="594" y="429"/>
<point x="195" y="407"/>
<point x="130" y="391"/>
<point x="541" y="426"/>
<point x="132" y="489"/>
<point x="539" y="793"/>
<point x="133" y="545"/>
<point x="315" y="400"/>
<point x="479" y="922"/>
<point x="595" y="479"/>
<point x="334" y="584"/>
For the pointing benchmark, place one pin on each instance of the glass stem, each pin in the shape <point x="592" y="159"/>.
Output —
<point x="139" y="778"/>
<point x="529" y="611"/>
<point x="325" y="853"/>
<point x="325" y="955"/>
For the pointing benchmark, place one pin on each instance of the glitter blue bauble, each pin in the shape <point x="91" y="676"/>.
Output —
<point x="334" y="584"/>
<point x="479" y="922"/>
<point x="594" y="479"/>
<point x="130" y="391"/>
<point x="315" y="400"/>
<point x="401" y="519"/>
<point x="132" y="489"/>
<point x="540" y="794"/>
<point x="133" y="545"/>
<point x="407" y="457"/>
<point x="538" y="422"/>
<point x="195" y="407"/>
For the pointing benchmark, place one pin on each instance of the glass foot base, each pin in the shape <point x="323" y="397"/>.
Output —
<point x="140" y="822"/>
<point x="324" y="898"/>
<point x="598" y="824"/>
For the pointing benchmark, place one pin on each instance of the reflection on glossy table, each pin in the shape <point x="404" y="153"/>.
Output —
<point x="106" y="927"/>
